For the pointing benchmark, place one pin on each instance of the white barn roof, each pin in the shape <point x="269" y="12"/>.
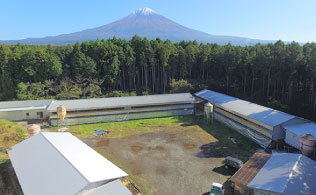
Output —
<point x="24" y="105"/>
<point x="59" y="163"/>
<point x="302" y="128"/>
<point x="253" y="111"/>
<point x="98" y="103"/>
<point x="287" y="173"/>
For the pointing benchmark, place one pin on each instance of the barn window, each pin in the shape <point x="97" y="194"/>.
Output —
<point x="40" y="114"/>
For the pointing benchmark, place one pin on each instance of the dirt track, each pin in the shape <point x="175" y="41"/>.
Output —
<point x="167" y="160"/>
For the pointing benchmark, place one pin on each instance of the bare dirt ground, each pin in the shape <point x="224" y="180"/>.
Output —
<point x="168" y="161"/>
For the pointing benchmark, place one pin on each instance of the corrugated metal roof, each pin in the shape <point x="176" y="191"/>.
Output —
<point x="302" y="128"/>
<point x="266" y="116"/>
<point x="59" y="163"/>
<point x="24" y="105"/>
<point x="97" y="103"/>
<point x="250" y="169"/>
<point x="287" y="173"/>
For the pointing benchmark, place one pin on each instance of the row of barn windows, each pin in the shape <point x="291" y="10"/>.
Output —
<point x="39" y="114"/>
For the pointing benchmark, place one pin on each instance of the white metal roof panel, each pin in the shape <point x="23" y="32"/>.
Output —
<point x="23" y="105"/>
<point x="23" y="108"/>
<point x="93" y="166"/>
<point x="59" y="163"/>
<point x="253" y="111"/>
<point x="97" y="103"/>
<point x="41" y="169"/>
<point x="115" y="187"/>
<point x="302" y="128"/>
<point x="287" y="173"/>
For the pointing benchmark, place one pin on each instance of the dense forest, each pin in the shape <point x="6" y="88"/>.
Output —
<point x="282" y="76"/>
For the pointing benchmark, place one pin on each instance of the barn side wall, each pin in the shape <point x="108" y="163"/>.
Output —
<point x="20" y="115"/>
<point x="262" y="140"/>
<point x="119" y="117"/>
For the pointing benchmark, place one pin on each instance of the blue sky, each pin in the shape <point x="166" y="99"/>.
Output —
<point x="261" y="19"/>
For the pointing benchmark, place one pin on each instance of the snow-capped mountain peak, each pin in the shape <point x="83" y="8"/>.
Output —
<point x="144" y="11"/>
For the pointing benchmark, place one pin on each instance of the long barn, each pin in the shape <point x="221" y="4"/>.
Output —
<point x="96" y="110"/>
<point x="257" y="122"/>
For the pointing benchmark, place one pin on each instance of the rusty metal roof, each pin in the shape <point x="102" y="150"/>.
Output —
<point x="245" y="175"/>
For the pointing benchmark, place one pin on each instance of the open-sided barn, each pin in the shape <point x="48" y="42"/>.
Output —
<point x="259" y="123"/>
<point x="121" y="108"/>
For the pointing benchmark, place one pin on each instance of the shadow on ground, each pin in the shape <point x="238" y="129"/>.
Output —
<point x="8" y="181"/>
<point x="223" y="171"/>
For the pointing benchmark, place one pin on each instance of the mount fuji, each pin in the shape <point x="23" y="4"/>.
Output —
<point x="144" y="22"/>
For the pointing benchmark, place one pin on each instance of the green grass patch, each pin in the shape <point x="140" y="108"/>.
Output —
<point x="123" y="128"/>
<point x="10" y="134"/>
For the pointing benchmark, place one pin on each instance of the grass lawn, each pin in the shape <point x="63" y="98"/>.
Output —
<point x="10" y="134"/>
<point x="123" y="128"/>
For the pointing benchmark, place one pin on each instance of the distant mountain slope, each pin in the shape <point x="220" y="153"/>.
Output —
<point x="145" y="23"/>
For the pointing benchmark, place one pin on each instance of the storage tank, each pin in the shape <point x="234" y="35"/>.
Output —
<point x="308" y="144"/>
<point x="33" y="129"/>
<point x="61" y="112"/>
<point x="208" y="110"/>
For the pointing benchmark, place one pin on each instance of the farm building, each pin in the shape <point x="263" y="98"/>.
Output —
<point x="259" y="123"/>
<point x="302" y="136"/>
<point x="121" y="108"/>
<point x="59" y="163"/>
<point x="24" y="110"/>
<point x="276" y="174"/>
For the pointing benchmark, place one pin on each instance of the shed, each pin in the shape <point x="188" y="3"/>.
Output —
<point x="287" y="174"/>
<point x="24" y="110"/>
<point x="59" y="163"/>
<point x="244" y="176"/>
<point x="294" y="131"/>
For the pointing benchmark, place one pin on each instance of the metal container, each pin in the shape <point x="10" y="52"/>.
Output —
<point x="308" y="144"/>
<point x="33" y="129"/>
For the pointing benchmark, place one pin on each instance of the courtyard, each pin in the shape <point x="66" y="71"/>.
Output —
<point x="173" y="155"/>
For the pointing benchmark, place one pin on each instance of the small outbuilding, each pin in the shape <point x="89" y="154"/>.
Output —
<point x="53" y="163"/>
<point x="293" y="132"/>
<point x="24" y="110"/>
<point x="276" y="174"/>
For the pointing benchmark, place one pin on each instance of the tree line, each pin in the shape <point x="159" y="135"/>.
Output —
<point x="277" y="75"/>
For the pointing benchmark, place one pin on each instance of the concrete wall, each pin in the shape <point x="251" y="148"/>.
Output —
<point x="22" y="115"/>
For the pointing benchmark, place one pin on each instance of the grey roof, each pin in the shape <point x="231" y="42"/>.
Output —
<point x="287" y="173"/>
<point x="302" y="128"/>
<point x="266" y="116"/>
<point x="53" y="163"/>
<point x="112" y="188"/>
<point x="112" y="102"/>
<point x="24" y="105"/>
